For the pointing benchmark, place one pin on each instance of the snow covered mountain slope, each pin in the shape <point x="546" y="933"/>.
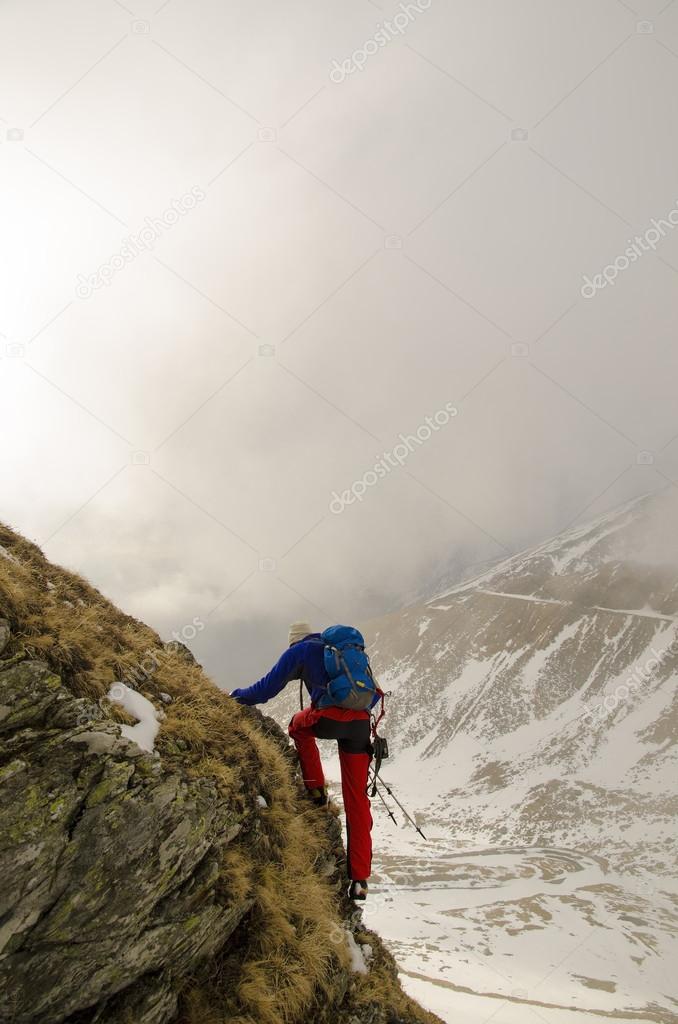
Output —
<point x="532" y="724"/>
<point x="539" y="700"/>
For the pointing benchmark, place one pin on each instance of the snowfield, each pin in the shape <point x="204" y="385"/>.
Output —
<point x="523" y="928"/>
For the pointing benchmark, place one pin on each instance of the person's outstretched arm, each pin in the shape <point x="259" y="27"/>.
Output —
<point x="288" y="667"/>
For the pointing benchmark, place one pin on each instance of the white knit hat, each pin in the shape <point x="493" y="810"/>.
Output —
<point x="299" y="631"/>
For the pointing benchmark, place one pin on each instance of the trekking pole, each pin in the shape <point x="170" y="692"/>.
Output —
<point x="395" y="798"/>
<point x="388" y="809"/>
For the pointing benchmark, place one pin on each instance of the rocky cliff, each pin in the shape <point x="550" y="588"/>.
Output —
<point x="181" y="880"/>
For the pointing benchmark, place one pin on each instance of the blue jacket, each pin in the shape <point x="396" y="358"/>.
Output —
<point x="303" y="660"/>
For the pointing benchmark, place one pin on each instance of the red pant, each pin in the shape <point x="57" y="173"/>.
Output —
<point x="352" y="731"/>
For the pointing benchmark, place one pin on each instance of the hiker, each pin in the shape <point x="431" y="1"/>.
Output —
<point x="306" y="660"/>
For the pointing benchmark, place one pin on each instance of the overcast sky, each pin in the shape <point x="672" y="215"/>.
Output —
<point x="246" y="245"/>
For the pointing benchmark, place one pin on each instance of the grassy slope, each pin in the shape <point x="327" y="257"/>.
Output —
<point x="287" y="964"/>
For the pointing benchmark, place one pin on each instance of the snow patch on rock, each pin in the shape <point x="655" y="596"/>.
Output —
<point x="357" y="956"/>
<point x="148" y="719"/>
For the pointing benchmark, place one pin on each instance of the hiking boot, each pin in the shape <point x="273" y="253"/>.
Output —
<point x="318" y="796"/>
<point x="357" y="890"/>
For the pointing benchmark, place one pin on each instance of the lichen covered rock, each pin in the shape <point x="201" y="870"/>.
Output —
<point x="108" y="863"/>
<point x="193" y="882"/>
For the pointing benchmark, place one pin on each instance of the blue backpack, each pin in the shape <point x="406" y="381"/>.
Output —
<point x="351" y="684"/>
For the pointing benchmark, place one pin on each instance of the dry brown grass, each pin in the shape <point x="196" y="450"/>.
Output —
<point x="288" y="960"/>
<point x="283" y="967"/>
<point x="381" y="987"/>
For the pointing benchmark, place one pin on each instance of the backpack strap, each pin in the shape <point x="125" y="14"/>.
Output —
<point x="377" y="720"/>
<point x="341" y="660"/>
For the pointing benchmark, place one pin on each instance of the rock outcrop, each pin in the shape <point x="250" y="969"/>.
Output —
<point x="188" y="883"/>
<point x="108" y="862"/>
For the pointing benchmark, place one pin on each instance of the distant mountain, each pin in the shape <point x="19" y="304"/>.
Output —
<point x="537" y="701"/>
